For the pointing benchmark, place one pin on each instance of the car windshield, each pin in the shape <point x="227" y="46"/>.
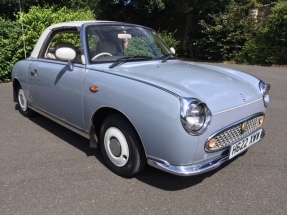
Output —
<point x="113" y="43"/>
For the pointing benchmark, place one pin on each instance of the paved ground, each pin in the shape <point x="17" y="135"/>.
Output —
<point x="46" y="169"/>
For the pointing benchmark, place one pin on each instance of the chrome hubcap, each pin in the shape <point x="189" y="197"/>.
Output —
<point x="115" y="147"/>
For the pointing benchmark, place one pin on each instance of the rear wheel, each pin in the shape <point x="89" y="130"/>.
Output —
<point x="22" y="103"/>
<point x="121" y="147"/>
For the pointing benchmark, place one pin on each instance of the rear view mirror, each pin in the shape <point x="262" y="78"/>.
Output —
<point x="124" y="36"/>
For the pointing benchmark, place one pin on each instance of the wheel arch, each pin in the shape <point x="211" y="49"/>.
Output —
<point x="101" y="114"/>
<point x="16" y="84"/>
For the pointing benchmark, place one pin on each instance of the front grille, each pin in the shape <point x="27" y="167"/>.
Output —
<point x="234" y="133"/>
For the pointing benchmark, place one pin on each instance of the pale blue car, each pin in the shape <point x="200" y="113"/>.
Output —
<point x="121" y="86"/>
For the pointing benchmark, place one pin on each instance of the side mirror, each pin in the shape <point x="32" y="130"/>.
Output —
<point x="65" y="53"/>
<point x="172" y="50"/>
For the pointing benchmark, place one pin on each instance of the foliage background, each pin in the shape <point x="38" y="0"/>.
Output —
<point x="207" y="29"/>
<point x="269" y="46"/>
<point x="169" y="38"/>
<point x="225" y="34"/>
<point x="35" y="22"/>
<point x="38" y="19"/>
<point x="9" y="37"/>
<point x="140" y="46"/>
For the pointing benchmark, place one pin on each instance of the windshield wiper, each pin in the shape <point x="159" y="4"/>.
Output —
<point x="167" y="56"/>
<point x="129" y="58"/>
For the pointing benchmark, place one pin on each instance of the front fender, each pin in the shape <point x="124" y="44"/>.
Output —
<point x="154" y="112"/>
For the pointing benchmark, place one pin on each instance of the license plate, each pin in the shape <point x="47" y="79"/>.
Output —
<point x="244" y="144"/>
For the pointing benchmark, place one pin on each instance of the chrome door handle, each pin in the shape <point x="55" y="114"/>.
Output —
<point x="34" y="72"/>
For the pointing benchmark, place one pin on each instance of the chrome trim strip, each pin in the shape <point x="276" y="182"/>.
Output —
<point x="54" y="61"/>
<point x="190" y="169"/>
<point x="236" y="107"/>
<point x="229" y="127"/>
<point x="158" y="160"/>
<point x="193" y="169"/>
<point x="264" y="88"/>
<point x="64" y="124"/>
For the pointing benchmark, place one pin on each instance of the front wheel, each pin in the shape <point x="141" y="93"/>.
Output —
<point x="121" y="147"/>
<point x="22" y="103"/>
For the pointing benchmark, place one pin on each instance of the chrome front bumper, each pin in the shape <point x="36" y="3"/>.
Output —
<point x="193" y="169"/>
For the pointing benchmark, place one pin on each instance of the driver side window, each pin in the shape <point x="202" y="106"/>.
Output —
<point x="93" y="44"/>
<point x="67" y="39"/>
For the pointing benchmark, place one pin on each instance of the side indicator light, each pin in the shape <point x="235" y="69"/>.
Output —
<point x="212" y="144"/>
<point x="261" y="120"/>
<point x="94" y="89"/>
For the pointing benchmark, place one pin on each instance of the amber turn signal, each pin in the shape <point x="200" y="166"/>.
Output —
<point x="94" y="89"/>
<point x="261" y="120"/>
<point x="212" y="144"/>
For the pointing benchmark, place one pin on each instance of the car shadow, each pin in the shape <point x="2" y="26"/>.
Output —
<point x="66" y="135"/>
<point x="151" y="176"/>
<point x="168" y="182"/>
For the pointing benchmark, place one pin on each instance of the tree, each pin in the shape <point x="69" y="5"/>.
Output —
<point x="224" y="34"/>
<point x="38" y="19"/>
<point x="270" y="44"/>
<point x="9" y="7"/>
<point x="9" y="35"/>
<point x="34" y="21"/>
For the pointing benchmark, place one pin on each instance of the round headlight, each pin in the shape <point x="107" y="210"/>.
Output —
<point x="195" y="116"/>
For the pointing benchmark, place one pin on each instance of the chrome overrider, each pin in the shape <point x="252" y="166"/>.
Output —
<point x="193" y="169"/>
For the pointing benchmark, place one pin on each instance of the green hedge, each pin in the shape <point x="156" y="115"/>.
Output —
<point x="169" y="38"/>
<point x="270" y="44"/>
<point x="140" y="46"/>
<point x="9" y="36"/>
<point x="224" y="34"/>
<point x="35" y="22"/>
<point x="38" y="19"/>
<point x="144" y="46"/>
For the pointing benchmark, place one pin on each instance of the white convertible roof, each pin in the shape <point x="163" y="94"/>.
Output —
<point x="75" y="23"/>
<point x="46" y="32"/>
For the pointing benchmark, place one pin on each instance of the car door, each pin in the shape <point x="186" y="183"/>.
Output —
<point x="57" y="90"/>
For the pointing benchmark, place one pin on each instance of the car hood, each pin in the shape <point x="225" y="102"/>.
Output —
<point x="220" y="88"/>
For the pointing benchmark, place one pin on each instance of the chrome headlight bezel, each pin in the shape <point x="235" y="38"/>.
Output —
<point x="192" y="109"/>
<point x="264" y="89"/>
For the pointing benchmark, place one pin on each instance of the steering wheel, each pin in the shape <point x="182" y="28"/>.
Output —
<point x="101" y="54"/>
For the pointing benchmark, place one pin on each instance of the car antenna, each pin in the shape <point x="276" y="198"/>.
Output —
<point x="23" y="31"/>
